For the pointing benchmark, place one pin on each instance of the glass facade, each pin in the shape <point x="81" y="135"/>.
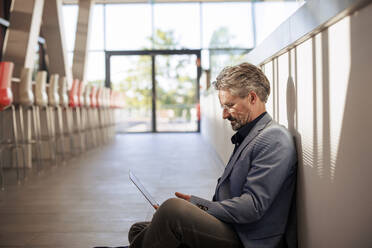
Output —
<point x="232" y="27"/>
<point x="224" y="31"/>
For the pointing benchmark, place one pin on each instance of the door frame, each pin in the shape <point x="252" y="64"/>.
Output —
<point x="153" y="54"/>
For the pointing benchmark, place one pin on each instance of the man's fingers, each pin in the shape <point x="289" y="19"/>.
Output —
<point x="183" y="196"/>
<point x="156" y="206"/>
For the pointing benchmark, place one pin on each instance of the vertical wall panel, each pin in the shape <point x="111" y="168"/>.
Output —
<point x="269" y="74"/>
<point x="283" y="77"/>
<point x="339" y="72"/>
<point x="305" y="99"/>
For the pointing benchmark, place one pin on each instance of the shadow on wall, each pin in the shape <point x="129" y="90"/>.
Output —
<point x="291" y="232"/>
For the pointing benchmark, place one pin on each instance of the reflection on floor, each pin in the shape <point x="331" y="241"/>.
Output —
<point x="91" y="202"/>
<point x="161" y="126"/>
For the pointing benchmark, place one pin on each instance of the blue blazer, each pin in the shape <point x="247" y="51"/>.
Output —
<point x="255" y="191"/>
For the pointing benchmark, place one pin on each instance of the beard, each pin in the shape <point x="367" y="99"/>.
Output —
<point x="237" y="123"/>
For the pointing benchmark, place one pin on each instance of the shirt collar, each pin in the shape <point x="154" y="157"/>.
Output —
<point x="243" y="132"/>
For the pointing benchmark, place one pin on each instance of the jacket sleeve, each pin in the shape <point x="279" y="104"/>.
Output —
<point x="272" y="161"/>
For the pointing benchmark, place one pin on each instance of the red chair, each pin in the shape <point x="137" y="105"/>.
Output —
<point x="93" y="93"/>
<point x="74" y="102"/>
<point x="6" y="96"/>
<point x="93" y="115"/>
<point x="80" y="96"/>
<point x="99" y="103"/>
<point x="6" y="100"/>
<point x="72" y="96"/>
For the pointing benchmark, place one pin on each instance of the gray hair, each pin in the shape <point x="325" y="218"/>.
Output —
<point x="241" y="79"/>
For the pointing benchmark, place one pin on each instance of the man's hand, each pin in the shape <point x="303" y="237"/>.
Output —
<point x="183" y="196"/>
<point x="156" y="206"/>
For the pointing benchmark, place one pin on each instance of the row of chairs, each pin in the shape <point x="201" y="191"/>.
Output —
<point x="48" y="123"/>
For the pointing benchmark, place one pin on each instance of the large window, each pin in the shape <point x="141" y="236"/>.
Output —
<point x="269" y="15"/>
<point x="96" y="41"/>
<point x="70" y="13"/>
<point x="182" y="21"/>
<point x="227" y="25"/>
<point x="128" y="26"/>
<point x="226" y="31"/>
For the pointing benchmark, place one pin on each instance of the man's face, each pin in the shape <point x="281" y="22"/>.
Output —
<point x="237" y="110"/>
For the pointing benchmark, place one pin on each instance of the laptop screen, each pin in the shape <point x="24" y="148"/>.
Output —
<point x="143" y="190"/>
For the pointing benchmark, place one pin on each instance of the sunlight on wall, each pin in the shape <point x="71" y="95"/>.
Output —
<point x="305" y="100"/>
<point x="283" y="75"/>
<point x="339" y="71"/>
<point x="268" y="68"/>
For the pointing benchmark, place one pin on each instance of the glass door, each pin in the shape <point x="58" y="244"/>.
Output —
<point x="176" y="93"/>
<point x="132" y="74"/>
<point x="161" y="89"/>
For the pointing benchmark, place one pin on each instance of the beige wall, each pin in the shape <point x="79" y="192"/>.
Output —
<point x="321" y="90"/>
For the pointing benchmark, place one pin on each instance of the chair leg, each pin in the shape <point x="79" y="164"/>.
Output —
<point x="50" y="136"/>
<point x="77" y="131"/>
<point x="92" y="126"/>
<point x="80" y="132"/>
<point x="61" y="135"/>
<point x="1" y="171"/>
<point x="15" y="137"/>
<point x="23" y="140"/>
<point x="70" y="131"/>
<point x="37" y="138"/>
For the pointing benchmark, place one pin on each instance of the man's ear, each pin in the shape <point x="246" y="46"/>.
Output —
<point x="253" y="97"/>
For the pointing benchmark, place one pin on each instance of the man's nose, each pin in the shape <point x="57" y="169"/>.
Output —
<point x="225" y="113"/>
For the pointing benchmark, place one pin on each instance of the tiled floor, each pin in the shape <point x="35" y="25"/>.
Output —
<point x="90" y="201"/>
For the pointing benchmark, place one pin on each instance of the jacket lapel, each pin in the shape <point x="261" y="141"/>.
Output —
<point x="261" y="124"/>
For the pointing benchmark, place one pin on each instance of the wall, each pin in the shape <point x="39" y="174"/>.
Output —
<point x="321" y="90"/>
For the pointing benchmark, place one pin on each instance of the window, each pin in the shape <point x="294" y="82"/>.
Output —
<point x="70" y="15"/>
<point x="181" y="22"/>
<point x="270" y="15"/>
<point x="128" y="26"/>
<point x="227" y="25"/>
<point x="96" y="36"/>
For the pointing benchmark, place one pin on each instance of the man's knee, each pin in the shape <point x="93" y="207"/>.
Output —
<point x="173" y="208"/>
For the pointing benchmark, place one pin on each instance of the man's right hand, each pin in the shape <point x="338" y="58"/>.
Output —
<point x="183" y="196"/>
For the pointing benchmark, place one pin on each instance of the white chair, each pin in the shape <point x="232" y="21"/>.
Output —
<point x="66" y="116"/>
<point x="44" y="118"/>
<point x="56" y="116"/>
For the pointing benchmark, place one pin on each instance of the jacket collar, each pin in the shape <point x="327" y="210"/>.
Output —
<point x="261" y="124"/>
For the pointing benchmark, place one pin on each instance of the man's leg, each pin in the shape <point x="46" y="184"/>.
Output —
<point x="178" y="222"/>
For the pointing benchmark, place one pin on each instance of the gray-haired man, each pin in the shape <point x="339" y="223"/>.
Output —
<point x="253" y="196"/>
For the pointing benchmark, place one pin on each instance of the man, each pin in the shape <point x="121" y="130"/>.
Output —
<point x="253" y="196"/>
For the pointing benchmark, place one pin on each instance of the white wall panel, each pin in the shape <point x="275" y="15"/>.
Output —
<point x="283" y="77"/>
<point x="339" y="73"/>
<point x="305" y="96"/>
<point x="268" y="68"/>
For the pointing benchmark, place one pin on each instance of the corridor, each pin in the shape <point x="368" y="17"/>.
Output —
<point x="90" y="200"/>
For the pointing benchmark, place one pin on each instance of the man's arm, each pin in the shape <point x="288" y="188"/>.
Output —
<point x="271" y="165"/>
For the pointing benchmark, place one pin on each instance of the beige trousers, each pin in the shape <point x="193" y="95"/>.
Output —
<point x="178" y="223"/>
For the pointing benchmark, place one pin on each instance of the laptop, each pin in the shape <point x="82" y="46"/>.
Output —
<point x="143" y="190"/>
